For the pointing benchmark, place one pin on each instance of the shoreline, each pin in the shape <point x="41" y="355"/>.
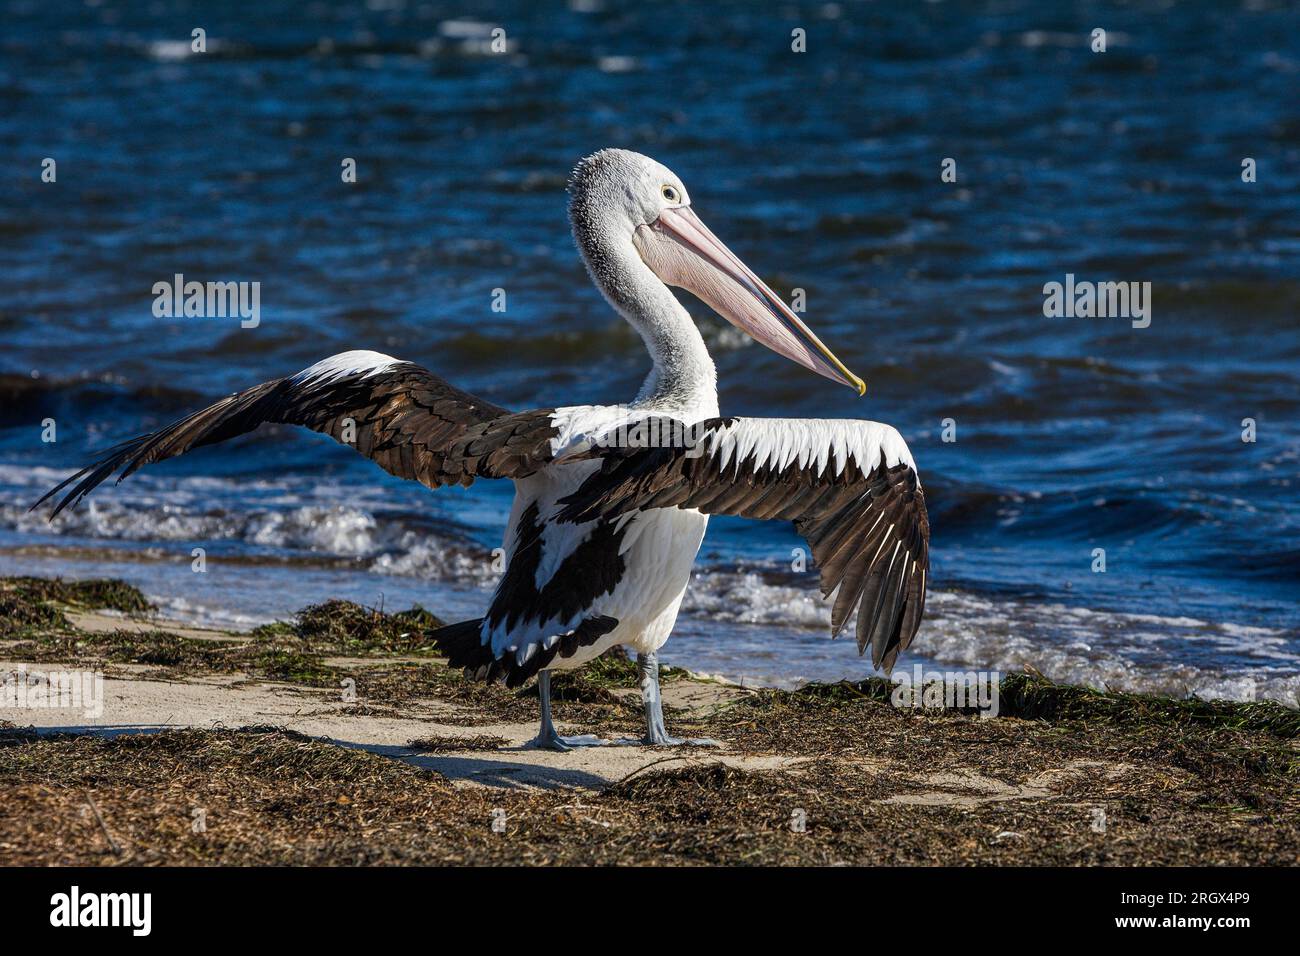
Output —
<point x="1105" y="649"/>
<point x="340" y="738"/>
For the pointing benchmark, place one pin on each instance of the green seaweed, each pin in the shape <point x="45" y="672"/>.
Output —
<point x="1034" y="697"/>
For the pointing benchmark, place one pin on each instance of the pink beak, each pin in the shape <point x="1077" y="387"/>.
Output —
<point x="684" y="253"/>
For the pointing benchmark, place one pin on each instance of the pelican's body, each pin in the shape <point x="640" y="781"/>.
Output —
<point x="658" y="549"/>
<point x="612" y="501"/>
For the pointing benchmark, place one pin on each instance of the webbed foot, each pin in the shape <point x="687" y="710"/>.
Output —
<point x="557" y="742"/>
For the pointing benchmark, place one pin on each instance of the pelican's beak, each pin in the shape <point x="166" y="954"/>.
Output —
<point x="683" y="252"/>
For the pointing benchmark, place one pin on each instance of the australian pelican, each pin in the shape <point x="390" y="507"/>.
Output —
<point x="604" y="530"/>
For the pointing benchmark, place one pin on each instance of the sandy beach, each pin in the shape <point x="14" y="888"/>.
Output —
<point x="340" y="738"/>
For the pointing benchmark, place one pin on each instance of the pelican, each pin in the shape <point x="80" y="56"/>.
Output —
<point x="611" y="501"/>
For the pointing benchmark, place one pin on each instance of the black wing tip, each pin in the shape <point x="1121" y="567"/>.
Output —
<point x="91" y="476"/>
<point x="885" y="653"/>
<point x="59" y="506"/>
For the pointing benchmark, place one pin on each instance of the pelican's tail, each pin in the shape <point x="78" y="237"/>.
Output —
<point x="463" y="646"/>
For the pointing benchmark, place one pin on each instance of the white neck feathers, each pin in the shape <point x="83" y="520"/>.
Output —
<point x="683" y="378"/>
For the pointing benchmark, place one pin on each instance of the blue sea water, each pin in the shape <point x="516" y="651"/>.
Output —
<point x="821" y="169"/>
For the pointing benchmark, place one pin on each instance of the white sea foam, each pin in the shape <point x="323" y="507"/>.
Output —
<point x="1179" y="656"/>
<point x="278" y="517"/>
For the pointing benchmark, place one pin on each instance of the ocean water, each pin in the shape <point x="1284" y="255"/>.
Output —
<point x="821" y="169"/>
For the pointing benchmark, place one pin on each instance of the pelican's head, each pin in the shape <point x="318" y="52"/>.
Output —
<point x="623" y="198"/>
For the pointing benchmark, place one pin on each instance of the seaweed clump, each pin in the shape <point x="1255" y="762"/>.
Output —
<point x="344" y="627"/>
<point x="30" y="604"/>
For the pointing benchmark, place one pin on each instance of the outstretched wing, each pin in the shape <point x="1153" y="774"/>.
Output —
<point x="850" y="487"/>
<point x="404" y="418"/>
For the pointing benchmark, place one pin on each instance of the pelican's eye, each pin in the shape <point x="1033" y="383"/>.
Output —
<point x="670" y="194"/>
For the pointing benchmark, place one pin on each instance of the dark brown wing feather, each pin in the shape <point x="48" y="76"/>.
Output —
<point x="869" y="531"/>
<point x="407" y="420"/>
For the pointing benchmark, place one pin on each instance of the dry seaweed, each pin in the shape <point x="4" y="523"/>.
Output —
<point x="856" y="780"/>
<point x="1036" y="697"/>
<point x="342" y="627"/>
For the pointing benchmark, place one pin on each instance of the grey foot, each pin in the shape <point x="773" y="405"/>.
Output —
<point x="663" y="740"/>
<point x="547" y="738"/>
<point x="655" y="734"/>
<point x="554" y="741"/>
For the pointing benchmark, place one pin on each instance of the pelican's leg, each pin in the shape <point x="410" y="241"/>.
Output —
<point x="656" y="735"/>
<point x="547" y="738"/>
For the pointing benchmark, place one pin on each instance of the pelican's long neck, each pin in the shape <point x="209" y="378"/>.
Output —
<point x="683" y="378"/>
